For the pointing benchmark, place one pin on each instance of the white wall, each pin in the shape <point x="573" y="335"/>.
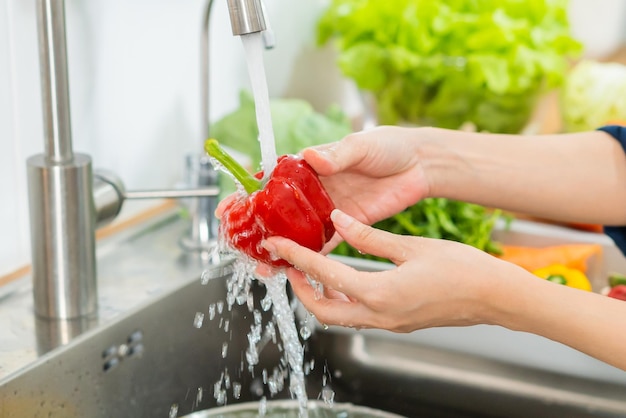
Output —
<point x="134" y="85"/>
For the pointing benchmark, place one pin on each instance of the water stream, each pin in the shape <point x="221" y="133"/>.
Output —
<point x="239" y="285"/>
<point x="283" y="315"/>
<point x="254" y="47"/>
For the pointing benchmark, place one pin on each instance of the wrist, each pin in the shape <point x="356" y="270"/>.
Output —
<point x="437" y="160"/>
<point x="507" y="295"/>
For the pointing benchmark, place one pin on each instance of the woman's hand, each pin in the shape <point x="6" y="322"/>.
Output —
<point x="435" y="283"/>
<point x="372" y="174"/>
<point x="442" y="283"/>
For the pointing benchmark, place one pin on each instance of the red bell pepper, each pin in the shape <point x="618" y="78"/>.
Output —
<point x="291" y="204"/>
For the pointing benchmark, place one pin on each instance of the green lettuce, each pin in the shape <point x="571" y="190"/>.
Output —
<point x="447" y="62"/>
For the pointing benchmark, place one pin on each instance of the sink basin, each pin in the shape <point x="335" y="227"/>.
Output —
<point x="291" y="409"/>
<point x="176" y="352"/>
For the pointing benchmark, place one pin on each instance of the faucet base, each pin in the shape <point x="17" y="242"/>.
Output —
<point x="202" y="236"/>
<point x="62" y="222"/>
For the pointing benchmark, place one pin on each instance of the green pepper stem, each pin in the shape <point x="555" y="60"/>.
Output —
<point x="247" y="180"/>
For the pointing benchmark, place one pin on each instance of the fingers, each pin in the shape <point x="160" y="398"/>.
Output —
<point x="334" y="309"/>
<point x="335" y="157"/>
<point x="320" y="268"/>
<point x="371" y="240"/>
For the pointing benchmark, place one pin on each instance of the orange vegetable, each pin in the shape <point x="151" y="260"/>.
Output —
<point x="586" y="227"/>
<point x="532" y="258"/>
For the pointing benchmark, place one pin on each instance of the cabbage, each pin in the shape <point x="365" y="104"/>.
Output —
<point x="594" y="94"/>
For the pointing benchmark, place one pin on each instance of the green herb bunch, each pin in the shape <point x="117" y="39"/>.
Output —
<point x="440" y="218"/>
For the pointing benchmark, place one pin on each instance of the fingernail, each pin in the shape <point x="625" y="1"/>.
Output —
<point x="326" y="152"/>
<point x="269" y="246"/>
<point x="341" y="219"/>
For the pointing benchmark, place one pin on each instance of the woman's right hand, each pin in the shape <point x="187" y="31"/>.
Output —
<point x="371" y="174"/>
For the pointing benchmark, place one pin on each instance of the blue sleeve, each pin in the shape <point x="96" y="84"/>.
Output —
<point x="617" y="233"/>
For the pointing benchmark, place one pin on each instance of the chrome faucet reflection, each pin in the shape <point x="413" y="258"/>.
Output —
<point x="67" y="200"/>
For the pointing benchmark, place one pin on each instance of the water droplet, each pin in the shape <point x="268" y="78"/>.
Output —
<point x="258" y="317"/>
<point x="328" y="395"/>
<point x="236" y="390"/>
<point x="325" y="326"/>
<point x="250" y="301"/>
<point x="319" y="291"/>
<point x="204" y="278"/>
<point x="173" y="411"/>
<point x="224" y="350"/>
<point x="305" y="332"/>
<point x="218" y="393"/>
<point x="221" y="397"/>
<point x="270" y="330"/>
<point x="263" y="406"/>
<point x="198" y="319"/>
<point x="266" y="303"/>
<point x="227" y="380"/>
<point x="211" y="311"/>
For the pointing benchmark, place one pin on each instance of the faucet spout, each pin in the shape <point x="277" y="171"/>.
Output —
<point x="246" y="16"/>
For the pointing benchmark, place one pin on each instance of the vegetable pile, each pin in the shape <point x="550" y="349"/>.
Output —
<point x="292" y="203"/>
<point x="447" y="62"/>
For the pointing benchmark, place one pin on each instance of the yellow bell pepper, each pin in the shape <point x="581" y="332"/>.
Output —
<point x="558" y="273"/>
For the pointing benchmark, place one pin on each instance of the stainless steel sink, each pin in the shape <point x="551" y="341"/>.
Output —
<point x="147" y="355"/>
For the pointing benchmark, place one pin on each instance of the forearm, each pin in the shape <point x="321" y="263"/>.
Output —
<point x="588" y="322"/>
<point x="570" y="177"/>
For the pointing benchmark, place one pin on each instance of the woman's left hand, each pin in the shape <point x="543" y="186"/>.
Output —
<point x="435" y="282"/>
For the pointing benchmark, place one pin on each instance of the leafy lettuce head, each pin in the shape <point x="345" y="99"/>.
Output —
<point x="446" y="62"/>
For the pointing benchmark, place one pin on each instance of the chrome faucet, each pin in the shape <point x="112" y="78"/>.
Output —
<point x="67" y="200"/>
<point x="62" y="212"/>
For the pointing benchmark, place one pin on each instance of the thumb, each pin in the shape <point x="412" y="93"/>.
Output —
<point x="335" y="157"/>
<point x="370" y="240"/>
